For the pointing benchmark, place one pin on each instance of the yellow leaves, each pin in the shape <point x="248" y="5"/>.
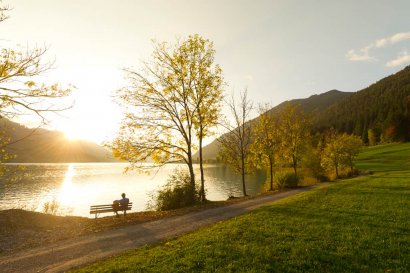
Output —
<point x="30" y="84"/>
<point x="180" y="94"/>
<point x="118" y="154"/>
<point x="340" y="150"/>
<point x="20" y="91"/>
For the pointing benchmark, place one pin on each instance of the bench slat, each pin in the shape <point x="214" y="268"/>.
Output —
<point x="109" y="205"/>
<point x="106" y="210"/>
<point x="96" y="209"/>
<point x="103" y="208"/>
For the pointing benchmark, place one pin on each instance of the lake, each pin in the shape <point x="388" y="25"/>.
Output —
<point x="76" y="186"/>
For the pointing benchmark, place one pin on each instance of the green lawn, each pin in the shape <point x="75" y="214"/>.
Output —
<point x="355" y="225"/>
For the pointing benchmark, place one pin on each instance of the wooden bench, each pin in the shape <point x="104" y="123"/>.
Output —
<point x="97" y="209"/>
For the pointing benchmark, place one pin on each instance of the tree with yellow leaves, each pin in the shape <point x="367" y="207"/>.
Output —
<point x="266" y="144"/>
<point x="173" y="102"/>
<point x="206" y="93"/>
<point x="340" y="150"/>
<point x="294" y="131"/>
<point x="20" y="92"/>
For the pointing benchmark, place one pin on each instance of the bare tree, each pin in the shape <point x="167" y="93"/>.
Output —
<point x="236" y="144"/>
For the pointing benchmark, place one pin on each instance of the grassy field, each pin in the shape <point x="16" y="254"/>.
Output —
<point x="355" y="225"/>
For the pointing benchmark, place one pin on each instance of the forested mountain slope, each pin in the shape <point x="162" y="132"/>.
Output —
<point x="382" y="109"/>
<point x="314" y="105"/>
<point x="378" y="112"/>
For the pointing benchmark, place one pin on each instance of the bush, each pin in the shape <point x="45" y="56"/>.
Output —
<point x="52" y="207"/>
<point x="286" y="180"/>
<point x="349" y="173"/>
<point x="312" y="161"/>
<point x="176" y="193"/>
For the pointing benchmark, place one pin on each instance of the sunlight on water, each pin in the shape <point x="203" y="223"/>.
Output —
<point x="69" y="175"/>
<point x="77" y="186"/>
<point x="68" y="192"/>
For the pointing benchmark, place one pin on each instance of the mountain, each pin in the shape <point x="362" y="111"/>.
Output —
<point x="316" y="103"/>
<point x="380" y="111"/>
<point x="44" y="146"/>
<point x="313" y="105"/>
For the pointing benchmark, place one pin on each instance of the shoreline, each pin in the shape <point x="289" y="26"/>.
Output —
<point x="22" y="230"/>
<point x="78" y="251"/>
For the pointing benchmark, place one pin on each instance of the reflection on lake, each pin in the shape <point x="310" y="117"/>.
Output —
<point x="76" y="186"/>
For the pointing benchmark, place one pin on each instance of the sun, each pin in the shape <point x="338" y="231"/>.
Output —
<point x="71" y="135"/>
<point x="87" y="128"/>
<point x="78" y="130"/>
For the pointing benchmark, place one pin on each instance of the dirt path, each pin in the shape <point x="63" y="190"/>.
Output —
<point x="68" y="254"/>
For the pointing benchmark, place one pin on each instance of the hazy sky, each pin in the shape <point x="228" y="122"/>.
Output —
<point x="280" y="50"/>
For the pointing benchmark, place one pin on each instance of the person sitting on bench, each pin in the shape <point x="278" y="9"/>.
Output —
<point x="121" y="204"/>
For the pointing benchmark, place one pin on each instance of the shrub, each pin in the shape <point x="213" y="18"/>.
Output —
<point x="176" y="193"/>
<point x="286" y="180"/>
<point x="312" y="161"/>
<point x="52" y="207"/>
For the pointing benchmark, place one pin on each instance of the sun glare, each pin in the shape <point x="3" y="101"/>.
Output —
<point x="71" y="136"/>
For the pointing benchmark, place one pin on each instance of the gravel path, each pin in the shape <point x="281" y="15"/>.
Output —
<point x="68" y="254"/>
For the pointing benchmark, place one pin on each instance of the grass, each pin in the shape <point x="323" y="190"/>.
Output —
<point x="355" y="225"/>
<point x="385" y="158"/>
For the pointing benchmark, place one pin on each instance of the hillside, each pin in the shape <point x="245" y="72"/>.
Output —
<point x="316" y="103"/>
<point x="43" y="146"/>
<point x="383" y="108"/>
<point x="313" y="105"/>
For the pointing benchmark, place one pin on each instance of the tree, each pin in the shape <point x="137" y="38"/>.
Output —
<point x="4" y="155"/>
<point x="166" y="105"/>
<point x="206" y="93"/>
<point x="236" y="144"/>
<point x="267" y="139"/>
<point x="340" y="150"/>
<point x="333" y="153"/>
<point x="352" y="146"/>
<point x="20" y="92"/>
<point x="294" y="133"/>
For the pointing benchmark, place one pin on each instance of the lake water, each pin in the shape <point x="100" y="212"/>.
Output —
<point x="76" y="186"/>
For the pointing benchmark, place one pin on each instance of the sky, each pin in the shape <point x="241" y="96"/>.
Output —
<point x="278" y="50"/>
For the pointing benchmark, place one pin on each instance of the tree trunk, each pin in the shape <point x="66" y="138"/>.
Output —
<point x="201" y="168"/>
<point x="337" y="171"/>
<point x="271" y="173"/>
<point x="294" y="166"/>
<point x="243" y="177"/>
<point x="191" y="174"/>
